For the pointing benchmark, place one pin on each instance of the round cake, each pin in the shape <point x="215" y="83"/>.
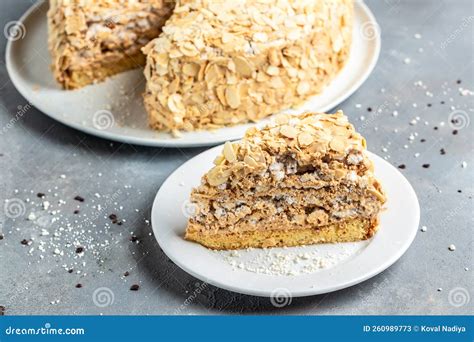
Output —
<point x="220" y="63"/>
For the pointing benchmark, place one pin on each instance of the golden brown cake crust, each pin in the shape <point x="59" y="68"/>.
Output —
<point x="347" y="231"/>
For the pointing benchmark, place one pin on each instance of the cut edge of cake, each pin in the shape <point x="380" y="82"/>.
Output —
<point x="90" y="41"/>
<point x="300" y="180"/>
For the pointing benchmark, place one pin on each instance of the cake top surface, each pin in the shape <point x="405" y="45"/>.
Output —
<point x="249" y="26"/>
<point x="306" y="138"/>
<point x="324" y="145"/>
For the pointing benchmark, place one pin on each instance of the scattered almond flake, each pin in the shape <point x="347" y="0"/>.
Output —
<point x="395" y="113"/>
<point x="413" y="122"/>
<point x="452" y="248"/>
<point x="417" y="36"/>
<point x="358" y="105"/>
<point x="62" y="176"/>
<point x="407" y="60"/>
<point x="464" y="164"/>
<point x="362" y="118"/>
<point x="31" y="216"/>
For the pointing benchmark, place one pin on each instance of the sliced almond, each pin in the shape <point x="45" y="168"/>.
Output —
<point x="305" y="139"/>
<point x="273" y="70"/>
<point x="229" y="152"/>
<point x="232" y="96"/>
<point x="303" y="88"/>
<point x="175" y="103"/>
<point x="243" y="66"/>
<point x="190" y="69"/>
<point x="250" y="161"/>
<point x="289" y="131"/>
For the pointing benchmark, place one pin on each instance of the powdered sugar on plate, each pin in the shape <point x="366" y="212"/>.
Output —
<point x="292" y="261"/>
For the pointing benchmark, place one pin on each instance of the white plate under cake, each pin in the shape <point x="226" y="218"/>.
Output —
<point x="300" y="270"/>
<point x="114" y="109"/>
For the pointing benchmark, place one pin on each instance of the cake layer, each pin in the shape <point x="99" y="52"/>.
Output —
<point x="316" y="206"/>
<point x="276" y="234"/>
<point x="99" y="70"/>
<point x="221" y="63"/>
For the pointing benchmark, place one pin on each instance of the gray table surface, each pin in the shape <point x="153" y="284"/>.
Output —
<point x="426" y="48"/>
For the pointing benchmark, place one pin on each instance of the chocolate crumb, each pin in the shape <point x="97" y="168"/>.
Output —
<point x="369" y="109"/>
<point x="422" y="140"/>
<point x="40" y="195"/>
<point x="120" y="223"/>
<point x="126" y="274"/>
<point x="429" y="104"/>
<point x="460" y="191"/>
<point x="79" y="198"/>
<point x="134" y="287"/>
<point x="113" y="217"/>
<point x="455" y="131"/>
<point x="442" y="102"/>
<point x="78" y="286"/>
<point x="76" y="211"/>
<point x="133" y="238"/>
<point x="24" y="242"/>
<point x="70" y="270"/>
<point x="435" y="128"/>
<point x="442" y="151"/>
<point x="2" y="310"/>
<point x="402" y="166"/>
<point x="426" y="166"/>
<point x="458" y="81"/>
<point x="79" y="250"/>
<point x="1" y="236"/>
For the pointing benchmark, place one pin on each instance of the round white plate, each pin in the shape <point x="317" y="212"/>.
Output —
<point x="114" y="109"/>
<point x="346" y="264"/>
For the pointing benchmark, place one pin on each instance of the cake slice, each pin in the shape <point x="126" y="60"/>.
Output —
<point x="222" y="63"/>
<point x="300" y="180"/>
<point x="90" y="40"/>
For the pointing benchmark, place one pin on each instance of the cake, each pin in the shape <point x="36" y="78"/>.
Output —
<point x="300" y="180"/>
<point x="90" y="40"/>
<point x="220" y="63"/>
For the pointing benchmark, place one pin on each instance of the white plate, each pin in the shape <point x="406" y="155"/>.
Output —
<point x="347" y="263"/>
<point x="88" y="109"/>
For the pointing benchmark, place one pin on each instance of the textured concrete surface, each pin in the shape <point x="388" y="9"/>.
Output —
<point x="427" y="41"/>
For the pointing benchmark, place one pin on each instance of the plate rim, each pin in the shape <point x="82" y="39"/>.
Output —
<point x="299" y="293"/>
<point x="173" y="143"/>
